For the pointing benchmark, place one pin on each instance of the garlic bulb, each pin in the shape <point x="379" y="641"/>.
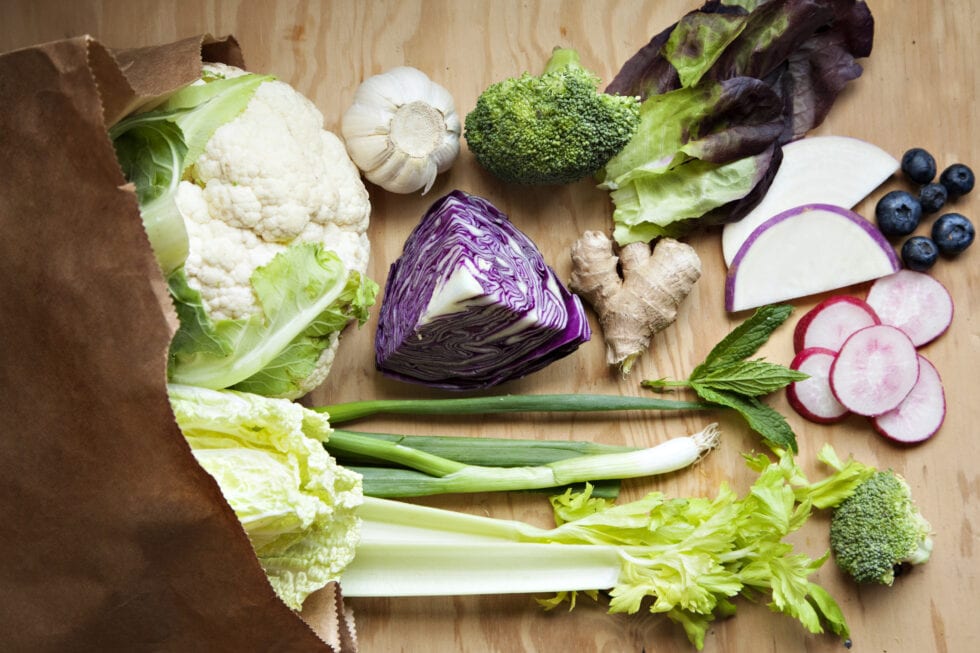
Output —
<point x="402" y="130"/>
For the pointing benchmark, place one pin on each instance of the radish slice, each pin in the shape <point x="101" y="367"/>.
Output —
<point x="831" y="322"/>
<point x="914" y="302"/>
<point x="920" y="414"/>
<point x="804" y="251"/>
<point x="812" y="398"/>
<point x="875" y="370"/>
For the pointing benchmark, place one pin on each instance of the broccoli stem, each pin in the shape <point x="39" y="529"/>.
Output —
<point x="562" y="58"/>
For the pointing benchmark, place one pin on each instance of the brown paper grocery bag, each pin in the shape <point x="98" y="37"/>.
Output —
<point x="112" y="538"/>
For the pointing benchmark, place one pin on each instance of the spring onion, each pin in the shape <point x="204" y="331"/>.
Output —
<point x="378" y="476"/>
<point x="486" y="450"/>
<point x="450" y="476"/>
<point x="346" y="412"/>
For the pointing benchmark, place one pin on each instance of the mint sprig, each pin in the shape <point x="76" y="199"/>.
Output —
<point x="728" y="378"/>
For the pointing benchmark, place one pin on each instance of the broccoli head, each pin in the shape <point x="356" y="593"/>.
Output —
<point x="555" y="128"/>
<point x="878" y="529"/>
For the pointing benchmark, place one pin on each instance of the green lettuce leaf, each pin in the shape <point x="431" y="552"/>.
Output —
<point x="697" y="149"/>
<point x="296" y="504"/>
<point x="727" y="83"/>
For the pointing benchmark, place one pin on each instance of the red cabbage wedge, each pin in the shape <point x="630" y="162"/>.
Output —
<point x="471" y="303"/>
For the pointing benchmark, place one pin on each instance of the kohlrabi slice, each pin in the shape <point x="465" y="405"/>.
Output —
<point x="804" y="251"/>
<point x="836" y="170"/>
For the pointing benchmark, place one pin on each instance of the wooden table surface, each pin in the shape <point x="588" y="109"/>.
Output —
<point x="919" y="89"/>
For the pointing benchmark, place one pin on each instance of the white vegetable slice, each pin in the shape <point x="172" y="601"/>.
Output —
<point x="836" y="170"/>
<point x="914" y="302"/>
<point x="812" y="398"/>
<point x="921" y="413"/>
<point x="831" y="322"/>
<point x="804" y="251"/>
<point x="875" y="370"/>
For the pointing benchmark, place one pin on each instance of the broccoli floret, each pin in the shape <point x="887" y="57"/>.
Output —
<point x="878" y="529"/>
<point x="555" y="128"/>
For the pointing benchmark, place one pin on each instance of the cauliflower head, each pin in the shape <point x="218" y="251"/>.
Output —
<point x="258" y="220"/>
<point x="270" y="178"/>
<point x="266" y="179"/>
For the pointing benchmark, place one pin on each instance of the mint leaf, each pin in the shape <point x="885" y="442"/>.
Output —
<point x="752" y="378"/>
<point x="761" y="418"/>
<point x="726" y="378"/>
<point x="746" y="338"/>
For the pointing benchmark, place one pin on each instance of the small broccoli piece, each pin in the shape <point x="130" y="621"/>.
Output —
<point x="555" y="128"/>
<point x="878" y="529"/>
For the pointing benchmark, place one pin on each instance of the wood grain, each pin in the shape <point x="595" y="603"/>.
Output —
<point x="919" y="89"/>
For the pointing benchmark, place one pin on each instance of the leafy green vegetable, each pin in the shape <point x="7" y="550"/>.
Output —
<point x="726" y="378"/>
<point x="298" y="507"/>
<point x="691" y="556"/>
<point x="724" y="88"/>
<point x="307" y="296"/>
<point x="696" y="149"/>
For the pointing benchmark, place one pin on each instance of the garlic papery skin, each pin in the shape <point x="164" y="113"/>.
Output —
<point x="402" y="130"/>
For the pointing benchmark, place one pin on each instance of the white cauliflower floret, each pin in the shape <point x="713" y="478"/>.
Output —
<point x="271" y="177"/>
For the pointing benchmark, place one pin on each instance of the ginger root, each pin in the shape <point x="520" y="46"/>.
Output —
<point x="635" y="294"/>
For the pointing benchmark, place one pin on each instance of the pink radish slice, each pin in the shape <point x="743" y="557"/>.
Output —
<point x="831" y="322"/>
<point x="920" y="414"/>
<point x="914" y="302"/>
<point x="875" y="370"/>
<point x="812" y="398"/>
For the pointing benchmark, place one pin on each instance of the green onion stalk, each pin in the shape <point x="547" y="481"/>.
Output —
<point x="549" y="403"/>
<point x="429" y="473"/>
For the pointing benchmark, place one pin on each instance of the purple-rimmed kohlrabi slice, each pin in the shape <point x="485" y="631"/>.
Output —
<point x="806" y="250"/>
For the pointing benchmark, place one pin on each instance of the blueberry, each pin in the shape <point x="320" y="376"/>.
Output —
<point x="933" y="197"/>
<point x="919" y="253"/>
<point x="918" y="165"/>
<point x="898" y="213"/>
<point x="958" y="179"/>
<point x="953" y="233"/>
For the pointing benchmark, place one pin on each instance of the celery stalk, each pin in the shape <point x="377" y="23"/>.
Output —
<point x="686" y="558"/>
<point x="409" y="550"/>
